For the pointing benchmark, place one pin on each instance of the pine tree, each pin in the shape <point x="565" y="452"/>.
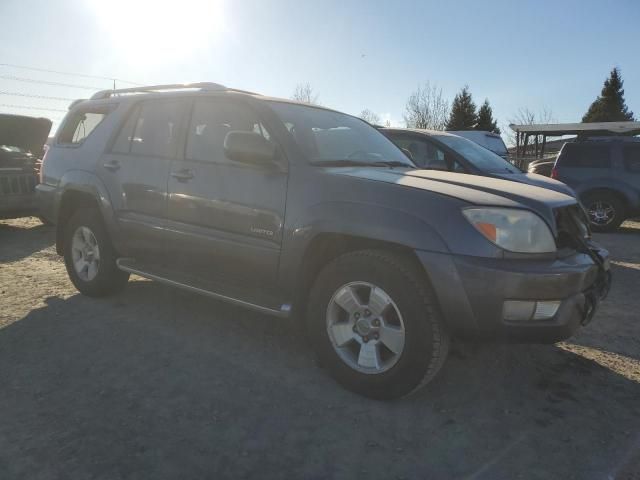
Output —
<point x="463" y="112"/>
<point x="486" y="121"/>
<point x="610" y="105"/>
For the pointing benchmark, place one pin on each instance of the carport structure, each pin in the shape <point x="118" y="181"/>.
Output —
<point x="540" y="132"/>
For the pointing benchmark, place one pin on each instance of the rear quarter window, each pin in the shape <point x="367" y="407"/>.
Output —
<point x="81" y="124"/>
<point x="586" y="156"/>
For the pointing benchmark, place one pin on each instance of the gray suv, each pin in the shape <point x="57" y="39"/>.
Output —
<point x="300" y="211"/>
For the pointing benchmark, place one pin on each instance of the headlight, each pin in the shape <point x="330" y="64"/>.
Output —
<point x="514" y="230"/>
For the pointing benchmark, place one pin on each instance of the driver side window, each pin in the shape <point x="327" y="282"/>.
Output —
<point x="428" y="155"/>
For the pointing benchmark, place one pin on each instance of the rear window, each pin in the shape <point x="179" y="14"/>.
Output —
<point x="81" y="125"/>
<point x="586" y="156"/>
<point x="631" y="155"/>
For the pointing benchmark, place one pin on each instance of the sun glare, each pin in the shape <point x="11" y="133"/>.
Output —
<point x="151" y="31"/>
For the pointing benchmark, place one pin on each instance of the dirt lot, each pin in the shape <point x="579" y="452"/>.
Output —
<point x="157" y="383"/>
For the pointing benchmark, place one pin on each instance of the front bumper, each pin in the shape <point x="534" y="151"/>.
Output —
<point x="471" y="292"/>
<point x="16" y="206"/>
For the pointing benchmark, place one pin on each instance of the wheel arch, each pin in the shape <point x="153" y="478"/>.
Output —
<point x="327" y="246"/>
<point x="81" y="189"/>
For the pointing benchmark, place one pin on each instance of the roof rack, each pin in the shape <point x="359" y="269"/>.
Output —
<point x="205" y="86"/>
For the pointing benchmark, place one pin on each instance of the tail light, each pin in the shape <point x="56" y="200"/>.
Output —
<point x="46" y="150"/>
<point x="554" y="173"/>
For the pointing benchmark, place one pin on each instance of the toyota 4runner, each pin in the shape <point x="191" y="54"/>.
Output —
<point x="297" y="210"/>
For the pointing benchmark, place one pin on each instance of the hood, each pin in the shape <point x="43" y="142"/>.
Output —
<point x="538" y="181"/>
<point x="474" y="189"/>
<point x="27" y="133"/>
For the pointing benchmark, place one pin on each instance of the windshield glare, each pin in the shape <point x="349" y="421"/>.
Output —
<point x="484" y="159"/>
<point x="327" y="136"/>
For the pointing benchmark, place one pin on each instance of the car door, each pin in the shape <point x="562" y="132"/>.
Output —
<point x="225" y="218"/>
<point x="135" y="171"/>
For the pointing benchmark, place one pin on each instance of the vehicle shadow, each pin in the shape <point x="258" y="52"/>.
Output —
<point x="26" y="237"/>
<point x="159" y="383"/>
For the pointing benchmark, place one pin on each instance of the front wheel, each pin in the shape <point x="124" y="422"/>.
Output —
<point x="89" y="256"/>
<point x="372" y="321"/>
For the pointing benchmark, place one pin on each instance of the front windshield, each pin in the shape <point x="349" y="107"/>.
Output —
<point x="333" y="138"/>
<point x="486" y="160"/>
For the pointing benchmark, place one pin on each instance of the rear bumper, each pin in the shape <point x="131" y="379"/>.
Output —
<point x="46" y="200"/>
<point x="471" y="292"/>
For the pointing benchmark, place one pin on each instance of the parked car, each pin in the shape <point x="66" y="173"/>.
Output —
<point x="297" y="210"/>
<point x="541" y="167"/>
<point x="489" y="140"/>
<point x="21" y="144"/>
<point x="437" y="150"/>
<point x="605" y="173"/>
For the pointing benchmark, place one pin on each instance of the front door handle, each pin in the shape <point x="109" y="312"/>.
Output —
<point x="182" y="175"/>
<point x="113" y="165"/>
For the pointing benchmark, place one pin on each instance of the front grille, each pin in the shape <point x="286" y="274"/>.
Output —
<point x="572" y="225"/>
<point x="19" y="184"/>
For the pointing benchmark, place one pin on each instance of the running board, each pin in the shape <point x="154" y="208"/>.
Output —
<point x="129" y="265"/>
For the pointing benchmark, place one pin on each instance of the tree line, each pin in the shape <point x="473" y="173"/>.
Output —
<point x="426" y="108"/>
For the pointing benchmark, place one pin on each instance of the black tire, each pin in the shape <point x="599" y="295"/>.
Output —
<point x="109" y="279"/>
<point x="592" y="200"/>
<point x="426" y="340"/>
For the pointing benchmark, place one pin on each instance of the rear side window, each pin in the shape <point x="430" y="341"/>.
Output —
<point x="81" y="125"/>
<point x="152" y="129"/>
<point x="631" y="155"/>
<point x="586" y="156"/>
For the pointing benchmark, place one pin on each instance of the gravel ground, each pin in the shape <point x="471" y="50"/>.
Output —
<point x="157" y="383"/>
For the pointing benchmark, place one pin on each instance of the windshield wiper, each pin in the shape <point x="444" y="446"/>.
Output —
<point x="393" y="163"/>
<point x="360" y="163"/>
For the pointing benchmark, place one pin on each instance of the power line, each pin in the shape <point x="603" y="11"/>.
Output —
<point x="45" y="82"/>
<point x="29" y="107"/>
<point x="44" y="97"/>
<point x="69" y="73"/>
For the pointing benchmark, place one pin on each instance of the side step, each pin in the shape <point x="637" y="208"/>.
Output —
<point x="213" y="290"/>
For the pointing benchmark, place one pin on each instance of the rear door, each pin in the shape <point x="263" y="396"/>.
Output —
<point x="225" y="218"/>
<point x="136" y="171"/>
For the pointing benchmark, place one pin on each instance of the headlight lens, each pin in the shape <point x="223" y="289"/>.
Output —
<point x="514" y="230"/>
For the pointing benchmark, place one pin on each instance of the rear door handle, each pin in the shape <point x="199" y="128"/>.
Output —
<point x="112" y="165"/>
<point x="182" y="175"/>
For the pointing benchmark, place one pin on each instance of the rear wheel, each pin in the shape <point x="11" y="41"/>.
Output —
<point x="372" y="322"/>
<point x="605" y="210"/>
<point x="89" y="256"/>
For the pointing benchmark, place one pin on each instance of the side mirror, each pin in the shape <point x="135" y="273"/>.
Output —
<point x="249" y="147"/>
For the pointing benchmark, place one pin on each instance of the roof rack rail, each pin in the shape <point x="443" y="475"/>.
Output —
<point x="207" y="86"/>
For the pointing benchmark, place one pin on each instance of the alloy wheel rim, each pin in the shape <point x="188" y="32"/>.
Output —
<point x="85" y="254"/>
<point x="601" y="213"/>
<point x="365" y="327"/>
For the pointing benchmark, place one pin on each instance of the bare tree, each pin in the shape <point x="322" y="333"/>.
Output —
<point x="304" y="93"/>
<point x="426" y="108"/>
<point x="525" y="116"/>
<point x="370" y="116"/>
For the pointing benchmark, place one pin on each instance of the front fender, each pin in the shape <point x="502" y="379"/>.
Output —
<point x="367" y="221"/>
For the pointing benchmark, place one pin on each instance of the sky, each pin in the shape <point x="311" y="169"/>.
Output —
<point x="356" y="54"/>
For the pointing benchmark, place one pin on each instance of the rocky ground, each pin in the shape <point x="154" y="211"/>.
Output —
<point x="158" y="383"/>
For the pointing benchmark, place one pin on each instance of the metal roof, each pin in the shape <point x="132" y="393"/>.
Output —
<point x="559" y="129"/>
